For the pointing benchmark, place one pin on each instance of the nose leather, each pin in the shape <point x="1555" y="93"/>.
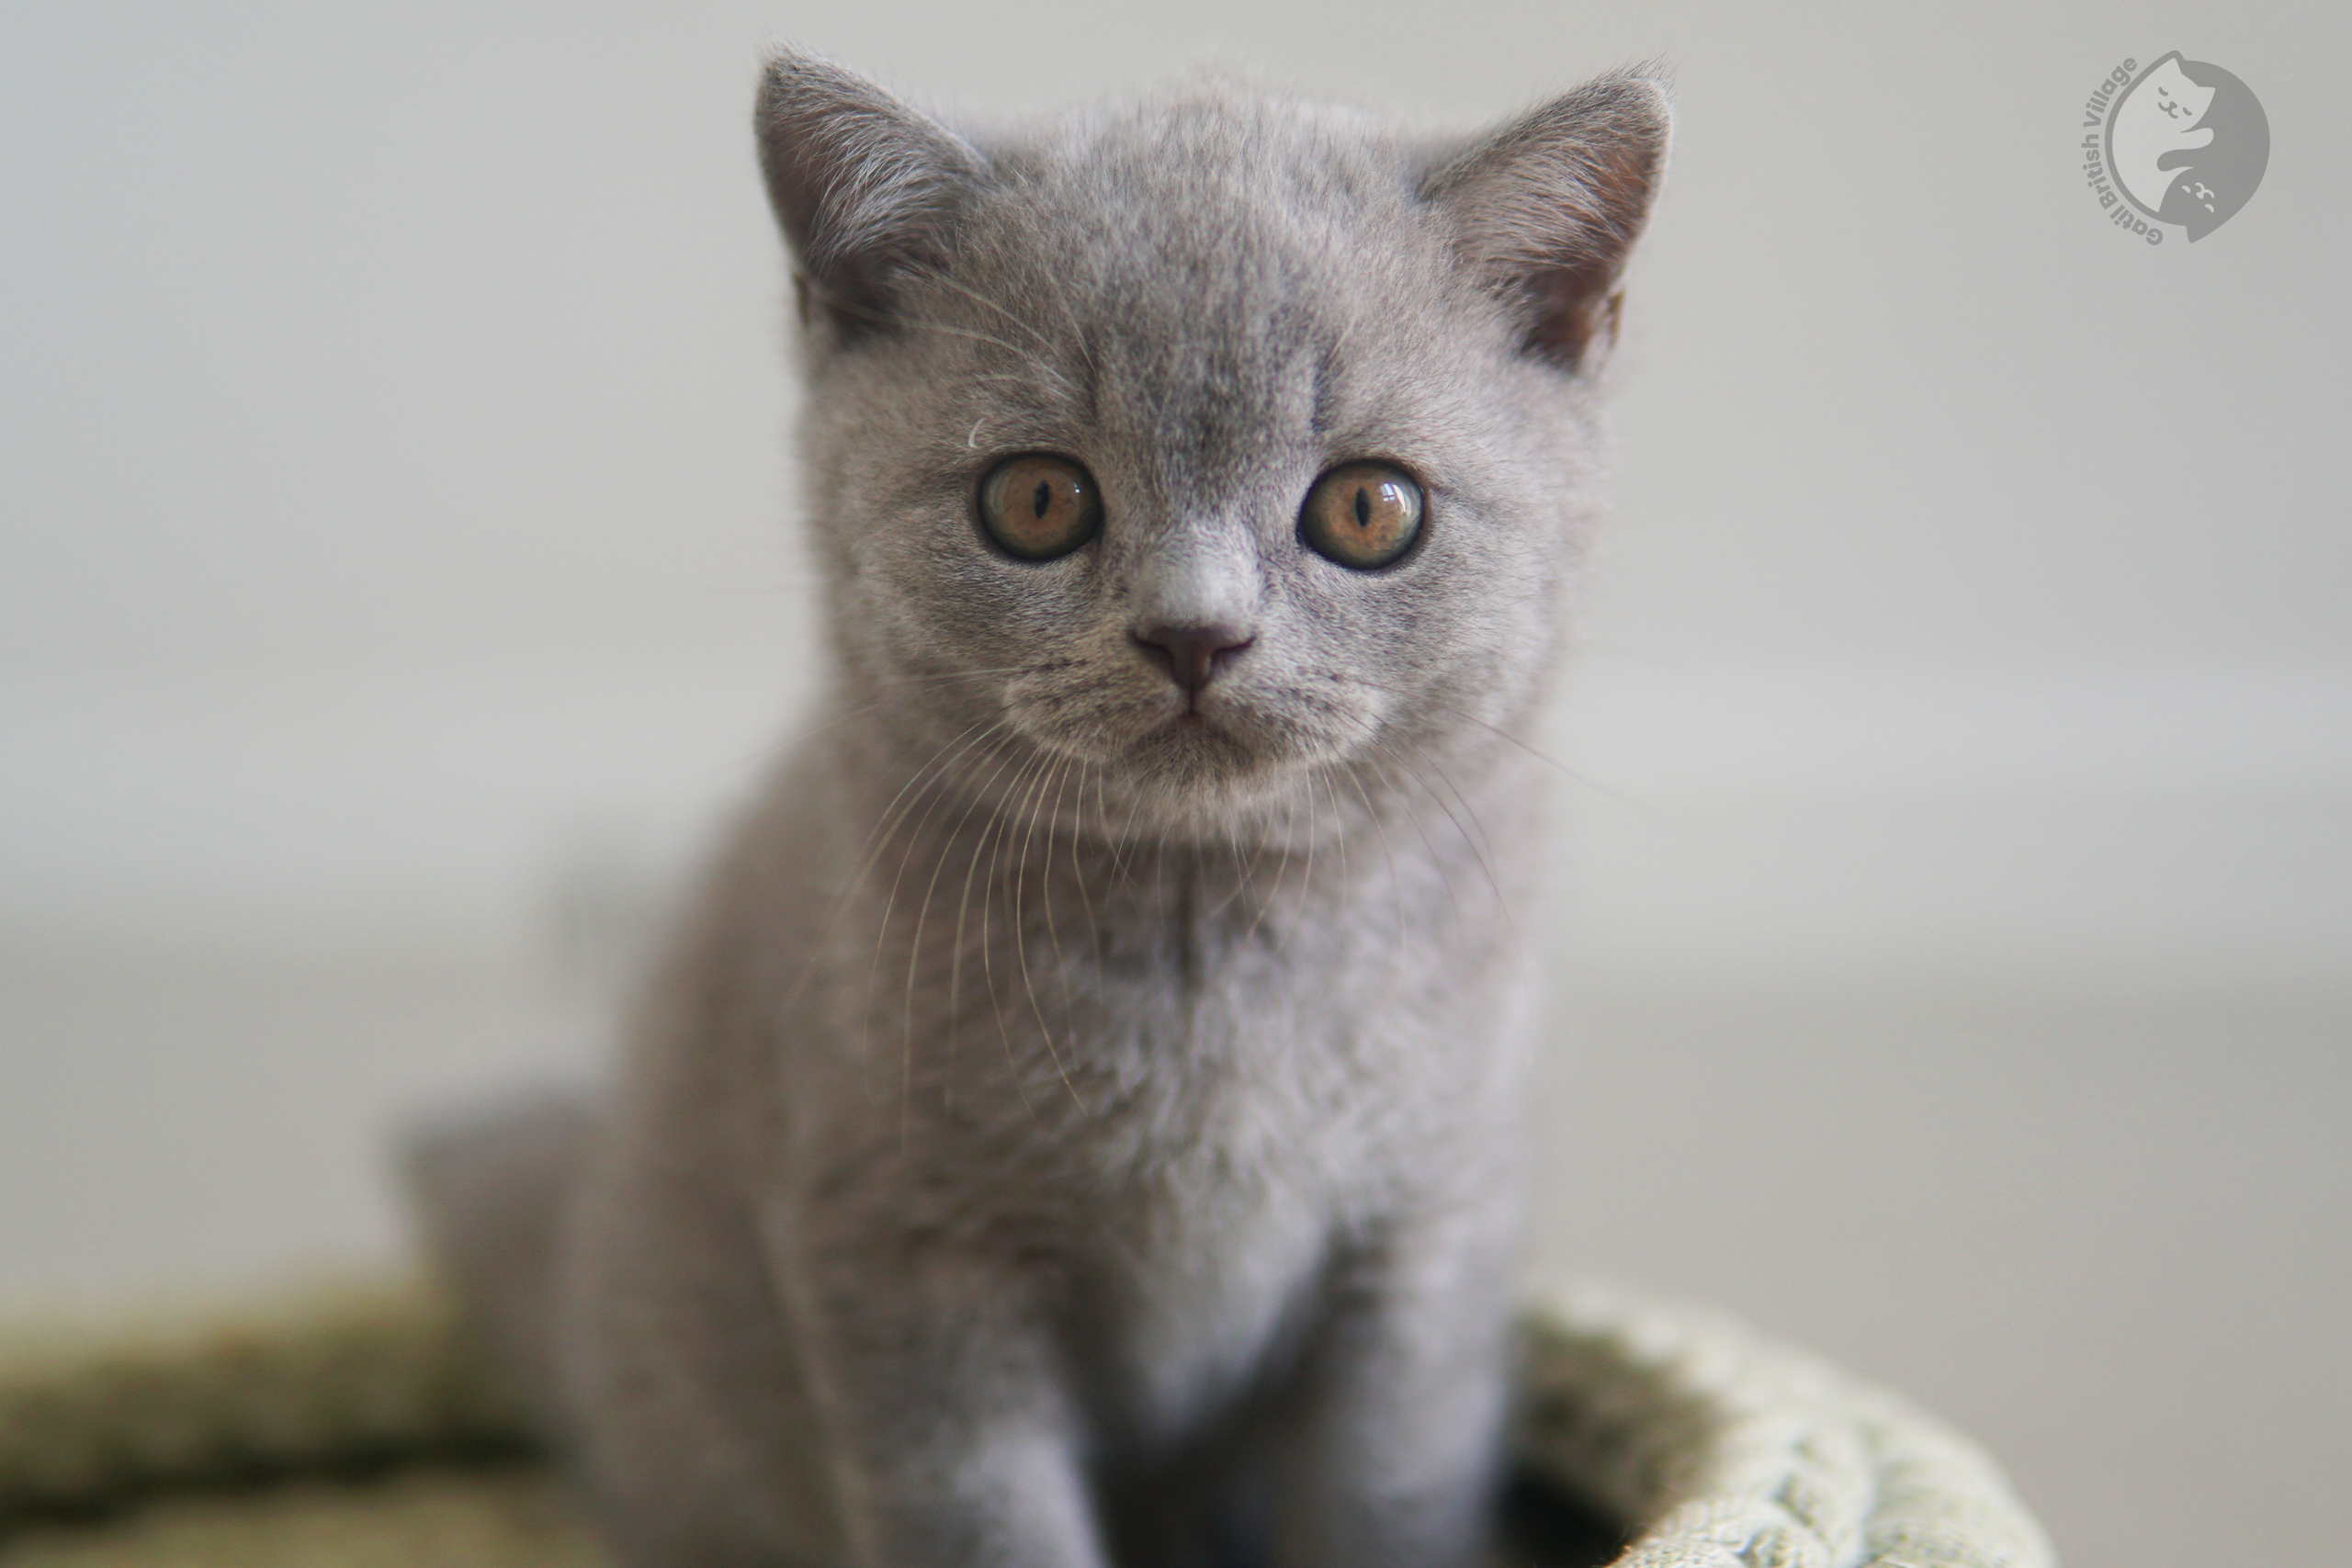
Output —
<point x="1191" y="654"/>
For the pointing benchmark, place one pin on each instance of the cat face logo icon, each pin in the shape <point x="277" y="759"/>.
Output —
<point x="2188" y="143"/>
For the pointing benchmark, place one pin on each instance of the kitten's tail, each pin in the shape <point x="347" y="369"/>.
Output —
<point x="492" y="1188"/>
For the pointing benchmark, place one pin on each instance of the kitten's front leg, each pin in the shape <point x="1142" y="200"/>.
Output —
<point x="1392" y="1460"/>
<point x="952" y="1439"/>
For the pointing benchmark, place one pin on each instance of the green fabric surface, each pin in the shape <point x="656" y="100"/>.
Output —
<point x="353" y="1426"/>
<point x="339" y="1425"/>
<point x="480" y="1516"/>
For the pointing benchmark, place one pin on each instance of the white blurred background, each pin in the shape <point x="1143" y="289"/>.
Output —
<point x="397" y="574"/>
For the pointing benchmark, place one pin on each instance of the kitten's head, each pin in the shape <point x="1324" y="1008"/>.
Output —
<point x="1206" y="447"/>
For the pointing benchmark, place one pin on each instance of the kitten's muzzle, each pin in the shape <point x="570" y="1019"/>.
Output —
<point x="1191" y="654"/>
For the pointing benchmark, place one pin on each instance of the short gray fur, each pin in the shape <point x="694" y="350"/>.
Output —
<point x="1076" y="1121"/>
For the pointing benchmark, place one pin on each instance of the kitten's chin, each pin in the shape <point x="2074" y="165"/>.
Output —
<point x="1194" y="775"/>
<point x="1195" y="751"/>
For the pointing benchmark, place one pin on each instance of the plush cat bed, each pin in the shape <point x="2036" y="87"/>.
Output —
<point x="352" y="1427"/>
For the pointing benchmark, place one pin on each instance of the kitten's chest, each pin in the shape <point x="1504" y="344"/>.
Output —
<point x="1188" y="1055"/>
<point x="1197" y="1300"/>
<point x="1202" y="1253"/>
<point x="1185" y="1090"/>
<point x="1247" y="1128"/>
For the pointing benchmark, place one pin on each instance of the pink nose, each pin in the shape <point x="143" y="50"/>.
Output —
<point x="1191" y="654"/>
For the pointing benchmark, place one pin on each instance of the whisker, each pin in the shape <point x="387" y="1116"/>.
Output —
<point x="798" y="738"/>
<point x="1482" y="845"/>
<point x="1475" y="843"/>
<point x="963" y="899"/>
<point x="914" y="839"/>
<point x="1085" y="897"/>
<point x="907" y="1011"/>
<point x="1044" y="892"/>
<point x="869" y="854"/>
<point x="1021" y="934"/>
<point x="891" y="319"/>
<point x="1045" y="895"/>
<point x="914" y="953"/>
<point x="1395" y="882"/>
<point x="1282" y="878"/>
<point x="1307" y="882"/>
<point x="1437" y="861"/>
<point x="1244" y="874"/>
<point x="1124" y="842"/>
<point x="1457" y="711"/>
<point x="979" y="299"/>
<point x="1340" y="836"/>
<point x="1001" y="826"/>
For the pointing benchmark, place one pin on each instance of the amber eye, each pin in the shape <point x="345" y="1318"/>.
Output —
<point x="1039" y="507"/>
<point x="1362" y="514"/>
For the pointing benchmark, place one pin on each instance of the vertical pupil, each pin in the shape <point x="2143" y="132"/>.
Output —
<point x="1042" y="499"/>
<point x="1363" y="508"/>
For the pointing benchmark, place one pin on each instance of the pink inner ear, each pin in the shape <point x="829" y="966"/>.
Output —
<point x="1574" y="308"/>
<point x="1573" y="293"/>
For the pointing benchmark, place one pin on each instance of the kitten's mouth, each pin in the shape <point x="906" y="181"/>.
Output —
<point x="1189" y="728"/>
<point x="1194" y="725"/>
<point x="1194" y="733"/>
<point x="1201" y="744"/>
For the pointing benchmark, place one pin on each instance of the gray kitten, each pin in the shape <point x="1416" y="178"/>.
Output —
<point x="1077" y="1121"/>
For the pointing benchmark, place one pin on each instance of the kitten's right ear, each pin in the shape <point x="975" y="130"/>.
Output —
<point x="864" y="185"/>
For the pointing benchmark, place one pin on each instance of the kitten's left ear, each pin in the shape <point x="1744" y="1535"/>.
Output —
<point x="1547" y="208"/>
